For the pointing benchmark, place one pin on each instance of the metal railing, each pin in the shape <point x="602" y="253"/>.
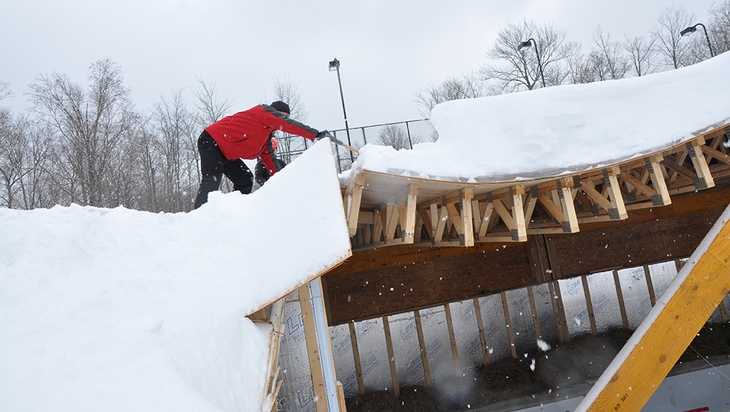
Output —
<point x="399" y="135"/>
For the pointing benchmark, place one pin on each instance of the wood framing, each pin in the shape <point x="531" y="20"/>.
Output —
<point x="397" y="210"/>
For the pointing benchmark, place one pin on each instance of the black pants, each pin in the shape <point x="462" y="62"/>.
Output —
<point x="213" y="165"/>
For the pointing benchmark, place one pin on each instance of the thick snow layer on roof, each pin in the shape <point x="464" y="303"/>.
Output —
<point x="547" y="132"/>
<point x="121" y="310"/>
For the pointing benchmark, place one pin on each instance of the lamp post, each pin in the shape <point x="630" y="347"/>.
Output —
<point x="334" y="65"/>
<point x="692" y="29"/>
<point x="525" y="45"/>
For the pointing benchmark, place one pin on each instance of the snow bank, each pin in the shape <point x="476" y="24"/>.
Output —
<point x="546" y="132"/>
<point x="120" y="310"/>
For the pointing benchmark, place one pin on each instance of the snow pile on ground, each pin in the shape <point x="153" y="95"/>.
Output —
<point x="120" y="310"/>
<point x="547" y="132"/>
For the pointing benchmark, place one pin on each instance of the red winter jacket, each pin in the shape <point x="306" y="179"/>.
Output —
<point x="245" y="134"/>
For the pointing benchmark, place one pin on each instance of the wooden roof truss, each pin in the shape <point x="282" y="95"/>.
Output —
<point x="440" y="213"/>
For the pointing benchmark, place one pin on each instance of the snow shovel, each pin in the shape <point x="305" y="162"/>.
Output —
<point x="341" y="143"/>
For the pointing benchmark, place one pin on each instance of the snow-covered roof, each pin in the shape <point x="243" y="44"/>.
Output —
<point x="122" y="310"/>
<point x="563" y="129"/>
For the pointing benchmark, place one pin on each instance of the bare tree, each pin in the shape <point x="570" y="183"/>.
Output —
<point x="288" y="92"/>
<point x="176" y="170"/>
<point x="512" y="70"/>
<point x="642" y="54"/>
<point x="719" y="27"/>
<point x="90" y="124"/>
<point x="394" y="136"/>
<point x="609" y="58"/>
<point x="675" y="50"/>
<point x="466" y="87"/>
<point x="210" y="107"/>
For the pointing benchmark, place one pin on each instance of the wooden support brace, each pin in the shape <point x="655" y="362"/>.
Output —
<point x="354" y="198"/>
<point x="704" y="177"/>
<point x="671" y="325"/>
<point x="662" y="197"/>
<point x="409" y="226"/>
<point x="391" y="222"/>
<point x="310" y="338"/>
<point x="618" y="209"/>
<point x="467" y="223"/>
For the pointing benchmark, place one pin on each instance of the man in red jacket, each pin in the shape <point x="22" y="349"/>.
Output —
<point x="244" y="135"/>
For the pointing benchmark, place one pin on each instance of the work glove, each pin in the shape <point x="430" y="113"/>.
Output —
<point x="322" y="135"/>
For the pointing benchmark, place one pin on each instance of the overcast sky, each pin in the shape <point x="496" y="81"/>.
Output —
<point x="388" y="50"/>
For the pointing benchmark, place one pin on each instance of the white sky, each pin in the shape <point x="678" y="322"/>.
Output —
<point x="389" y="50"/>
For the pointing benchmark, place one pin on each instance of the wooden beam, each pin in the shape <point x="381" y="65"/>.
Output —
<point x="621" y="303"/>
<point x="663" y="336"/>
<point x="467" y="222"/>
<point x="662" y="197"/>
<point x="354" y="198"/>
<point x="391" y="356"/>
<point x="704" y="177"/>
<point x="508" y="323"/>
<point x="610" y="184"/>
<point x="422" y="345"/>
<point x="310" y="337"/>
<point x="409" y="226"/>
<point x="356" y="356"/>
<point x="480" y="326"/>
<point x="452" y="339"/>
<point x="589" y="304"/>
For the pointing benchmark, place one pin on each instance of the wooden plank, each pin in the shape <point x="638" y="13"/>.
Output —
<point x="391" y="357"/>
<point x="519" y="233"/>
<point x="654" y="169"/>
<point x="341" y="397"/>
<point x="565" y="194"/>
<point x="533" y="308"/>
<point x="508" y="324"/>
<point x="704" y="177"/>
<point x="356" y="356"/>
<point x="467" y="223"/>
<point x="618" y="208"/>
<point x="354" y="198"/>
<point x="486" y="219"/>
<point x="442" y="217"/>
<point x="589" y="304"/>
<point x="422" y="344"/>
<point x="409" y="226"/>
<point x="663" y="336"/>
<point x="391" y="222"/>
<point x="480" y="325"/>
<point x="649" y="285"/>
<point x="621" y="302"/>
<point x="310" y="337"/>
<point x="378" y="229"/>
<point x="596" y="196"/>
<point x="452" y="339"/>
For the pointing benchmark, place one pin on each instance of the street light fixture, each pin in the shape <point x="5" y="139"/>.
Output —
<point x="526" y="45"/>
<point x="692" y="29"/>
<point x="334" y="65"/>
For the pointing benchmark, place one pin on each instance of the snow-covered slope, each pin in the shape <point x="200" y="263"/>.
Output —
<point x="120" y="310"/>
<point x="546" y="132"/>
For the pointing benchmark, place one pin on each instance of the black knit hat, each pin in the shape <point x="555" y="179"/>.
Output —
<point x="281" y="106"/>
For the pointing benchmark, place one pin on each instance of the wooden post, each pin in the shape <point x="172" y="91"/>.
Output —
<point x="310" y="337"/>
<point x="452" y="339"/>
<point x="356" y="356"/>
<point x="620" y="295"/>
<point x="391" y="357"/>
<point x="508" y="323"/>
<point x="589" y="304"/>
<point x="533" y="308"/>
<point x="422" y="344"/>
<point x="650" y="285"/>
<point x="663" y="336"/>
<point x="482" y="335"/>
